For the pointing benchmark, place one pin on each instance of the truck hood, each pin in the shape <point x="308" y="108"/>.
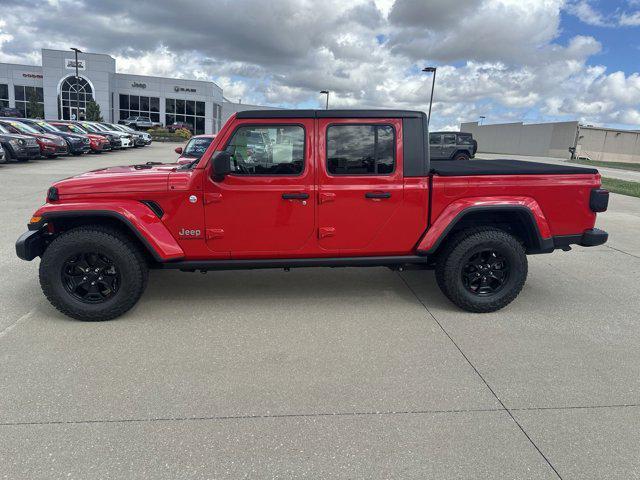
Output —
<point x="125" y="179"/>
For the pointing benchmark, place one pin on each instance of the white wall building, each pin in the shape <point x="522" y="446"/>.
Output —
<point x="119" y="95"/>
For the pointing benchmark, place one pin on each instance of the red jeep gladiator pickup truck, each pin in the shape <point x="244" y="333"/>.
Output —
<point x="310" y="188"/>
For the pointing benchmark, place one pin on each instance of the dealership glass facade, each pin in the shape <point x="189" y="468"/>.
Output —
<point x="4" y="95"/>
<point x="140" y="105"/>
<point x="185" y="111"/>
<point x="23" y="94"/>
<point x="74" y="94"/>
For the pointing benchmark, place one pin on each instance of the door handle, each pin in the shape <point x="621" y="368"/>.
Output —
<point x="295" y="196"/>
<point x="377" y="195"/>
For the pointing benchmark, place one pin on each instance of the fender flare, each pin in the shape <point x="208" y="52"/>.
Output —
<point x="137" y="217"/>
<point x="459" y="209"/>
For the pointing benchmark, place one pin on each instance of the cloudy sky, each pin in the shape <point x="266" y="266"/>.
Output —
<point x="509" y="60"/>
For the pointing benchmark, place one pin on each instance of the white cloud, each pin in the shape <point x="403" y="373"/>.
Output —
<point x="499" y="58"/>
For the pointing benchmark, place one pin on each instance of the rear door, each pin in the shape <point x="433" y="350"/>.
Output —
<point x="265" y="207"/>
<point x="449" y="145"/>
<point x="435" y="145"/>
<point x="359" y="184"/>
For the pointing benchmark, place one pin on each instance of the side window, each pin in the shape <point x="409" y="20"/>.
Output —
<point x="449" y="139"/>
<point x="434" y="138"/>
<point x="267" y="150"/>
<point x="464" y="139"/>
<point x="361" y="149"/>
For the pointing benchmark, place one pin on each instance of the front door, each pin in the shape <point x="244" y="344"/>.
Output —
<point x="265" y="206"/>
<point x="360" y="184"/>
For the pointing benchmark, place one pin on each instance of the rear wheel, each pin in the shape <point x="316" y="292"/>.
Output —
<point x="93" y="273"/>
<point x="461" y="156"/>
<point x="482" y="269"/>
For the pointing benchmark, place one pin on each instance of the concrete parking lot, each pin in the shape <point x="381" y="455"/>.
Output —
<point x="321" y="373"/>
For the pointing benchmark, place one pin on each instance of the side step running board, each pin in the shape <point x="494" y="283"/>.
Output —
<point x="386" y="261"/>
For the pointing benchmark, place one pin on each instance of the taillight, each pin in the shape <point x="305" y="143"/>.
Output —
<point x="599" y="200"/>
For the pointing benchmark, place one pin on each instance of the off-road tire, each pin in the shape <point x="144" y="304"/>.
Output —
<point x="126" y="256"/>
<point x="461" y="156"/>
<point x="451" y="261"/>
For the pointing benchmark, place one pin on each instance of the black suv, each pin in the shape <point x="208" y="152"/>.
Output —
<point x="452" y="146"/>
<point x="78" y="144"/>
<point x="19" y="148"/>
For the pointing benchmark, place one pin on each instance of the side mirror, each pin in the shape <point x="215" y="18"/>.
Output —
<point x="178" y="150"/>
<point x="221" y="166"/>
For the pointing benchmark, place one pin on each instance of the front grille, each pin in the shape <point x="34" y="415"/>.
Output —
<point x="85" y="141"/>
<point x="31" y="142"/>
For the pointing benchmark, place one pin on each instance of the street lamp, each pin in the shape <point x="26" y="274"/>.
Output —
<point x="77" y="50"/>
<point x="433" y="84"/>
<point x="482" y="117"/>
<point x="326" y="92"/>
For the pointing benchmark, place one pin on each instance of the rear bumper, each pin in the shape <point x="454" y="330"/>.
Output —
<point x="588" y="238"/>
<point x="30" y="245"/>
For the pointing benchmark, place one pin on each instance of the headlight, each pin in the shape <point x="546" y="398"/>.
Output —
<point x="16" y="142"/>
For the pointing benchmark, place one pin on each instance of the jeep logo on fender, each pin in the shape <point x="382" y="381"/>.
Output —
<point x="189" y="233"/>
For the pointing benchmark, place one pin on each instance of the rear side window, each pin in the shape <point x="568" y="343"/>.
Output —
<point x="449" y="139"/>
<point x="361" y="149"/>
<point x="465" y="139"/>
<point x="267" y="150"/>
<point x="434" y="138"/>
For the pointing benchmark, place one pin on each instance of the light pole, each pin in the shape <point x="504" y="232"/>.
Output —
<point x="482" y="117"/>
<point x="77" y="50"/>
<point x="326" y="92"/>
<point x="433" y="84"/>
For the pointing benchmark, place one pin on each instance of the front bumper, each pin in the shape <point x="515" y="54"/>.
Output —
<point x="26" y="153"/>
<point x="589" y="238"/>
<point x="31" y="244"/>
<point x="79" y="148"/>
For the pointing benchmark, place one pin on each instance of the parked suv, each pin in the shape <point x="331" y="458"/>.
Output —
<point x="77" y="144"/>
<point x="19" y="148"/>
<point x="10" y="112"/>
<point x="139" y="122"/>
<point x="452" y="146"/>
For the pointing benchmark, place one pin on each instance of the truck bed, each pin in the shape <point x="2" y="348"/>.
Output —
<point x="454" y="168"/>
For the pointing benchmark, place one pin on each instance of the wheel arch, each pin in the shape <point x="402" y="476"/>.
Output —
<point x="152" y="236"/>
<point x="525" y="223"/>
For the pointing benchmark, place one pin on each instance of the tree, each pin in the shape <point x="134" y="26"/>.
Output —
<point x="93" y="112"/>
<point x="34" y="107"/>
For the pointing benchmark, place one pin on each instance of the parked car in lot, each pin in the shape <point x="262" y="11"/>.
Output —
<point x="178" y="125"/>
<point x="97" y="143"/>
<point x="114" y="140"/>
<point x="76" y="143"/>
<point x="140" y="138"/>
<point x="50" y="145"/>
<point x="17" y="147"/>
<point x="194" y="149"/>
<point x="126" y="139"/>
<point x="340" y="188"/>
<point x="452" y="146"/>
<point x="139" y="122"/>
<point x="10" y="112"/>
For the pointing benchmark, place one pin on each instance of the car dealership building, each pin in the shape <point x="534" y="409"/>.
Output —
<point x="119" y="95"/>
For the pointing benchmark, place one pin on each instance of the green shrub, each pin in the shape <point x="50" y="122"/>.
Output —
<point x="183" y="133"/>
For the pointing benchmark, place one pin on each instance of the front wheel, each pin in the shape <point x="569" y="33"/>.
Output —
<point x="482" y="269"/>
<point x="93" y="273"/>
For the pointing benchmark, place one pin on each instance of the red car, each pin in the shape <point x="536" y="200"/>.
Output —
<point x="50" y="145"/>
<point x="98" y="143"/>
<point x="309" y="188"/>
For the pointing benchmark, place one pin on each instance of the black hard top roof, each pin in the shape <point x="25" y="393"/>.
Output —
<point x="330" y="114"/>
<point x="452" y="132"/>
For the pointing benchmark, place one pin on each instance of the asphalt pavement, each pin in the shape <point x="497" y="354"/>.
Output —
<point x="321" y="373"/>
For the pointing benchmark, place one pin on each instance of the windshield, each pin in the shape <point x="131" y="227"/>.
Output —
<point x="23" y="128"/>
<point x="3" y="129"/>
<point x="97" y="126"/>
<point x="90" y="128"/>
<point x="48" y="128"/>
<point x="196" y="147"/>
<point x="75" y="128"/>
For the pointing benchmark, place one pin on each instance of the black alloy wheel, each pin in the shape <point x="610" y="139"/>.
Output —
<point x="485" y="272"/>
<point x="90" y="277"/>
